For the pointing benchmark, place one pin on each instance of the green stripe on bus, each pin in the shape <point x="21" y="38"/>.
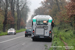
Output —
<point x="34" y="20"/>
<point x="49" y="21"/>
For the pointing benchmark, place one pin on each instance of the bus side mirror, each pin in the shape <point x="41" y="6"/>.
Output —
<point x="52" y="24"/>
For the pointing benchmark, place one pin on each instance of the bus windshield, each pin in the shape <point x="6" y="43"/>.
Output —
<point x="42" y="22"/>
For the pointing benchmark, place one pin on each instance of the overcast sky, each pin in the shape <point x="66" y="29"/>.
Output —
<point x="34" y="4"/>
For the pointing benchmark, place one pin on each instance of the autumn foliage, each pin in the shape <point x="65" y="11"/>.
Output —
<point x="71" y="8"/>
<point x="71" y="11"/>
<point x="22" y="23"/>
<point x="10" y="19"/>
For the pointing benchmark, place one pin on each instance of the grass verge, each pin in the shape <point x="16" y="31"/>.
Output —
<point x="21" y="30"/>
<point x="67" y="37"/>
<point x="17" y="31"/>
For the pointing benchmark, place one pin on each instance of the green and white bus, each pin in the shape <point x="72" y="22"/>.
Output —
<point x="42" y="27"/>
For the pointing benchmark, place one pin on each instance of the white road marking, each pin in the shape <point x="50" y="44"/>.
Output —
<point x="23" y="43"/>
<point x="11" y="39"/>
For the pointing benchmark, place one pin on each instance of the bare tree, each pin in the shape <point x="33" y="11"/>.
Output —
<point x="12" y="11"/>
<point x="2" y="4"/>
<point x="57" y="3"/>
<point x="5" y="17"/>
<point x="18" y="16"/>
<point x="22" y="12"/>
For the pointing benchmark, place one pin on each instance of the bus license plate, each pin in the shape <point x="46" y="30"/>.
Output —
<point x="41" y="36"/>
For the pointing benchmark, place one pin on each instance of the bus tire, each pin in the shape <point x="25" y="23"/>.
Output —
<point x="26" y="36"/>
<point x="50" y="40"/>
<point x="33" y="39"/>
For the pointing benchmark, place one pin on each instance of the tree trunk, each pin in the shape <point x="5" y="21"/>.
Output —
<point x="5" y="18"/>
<point x="57" y="5"/>
<point x="18" y="16"/>
<point x="12" y="12"/>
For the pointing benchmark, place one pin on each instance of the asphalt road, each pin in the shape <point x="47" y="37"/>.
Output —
<point x="20" y="42"/>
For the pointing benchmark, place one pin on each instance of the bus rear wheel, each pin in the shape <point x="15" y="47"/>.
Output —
<point x="50" y="40"/>
<point x="33" y="39"/>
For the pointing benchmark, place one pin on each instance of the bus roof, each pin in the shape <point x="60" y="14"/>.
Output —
<point x="42" y="17"/>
